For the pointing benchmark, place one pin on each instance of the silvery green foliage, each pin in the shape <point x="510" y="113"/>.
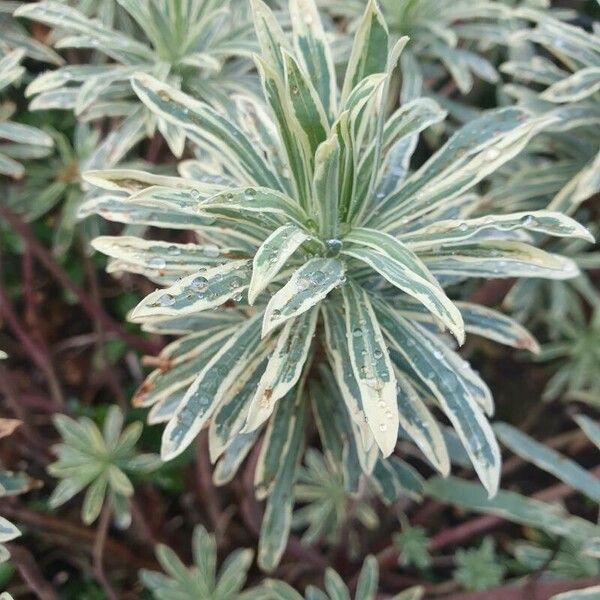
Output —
<point x="13" y="36"/>
<point x="201" y="580"/>
<point x="57" y="181"/>
<point x="100" y="461"/>
<point x="192" y="44"/>
<point x="478" y="568"/>
<point x="336" y="588"/>
<point x="579" y="550"/>
<point x="317" y="235"/>
<point x="411" y="543"/>
<point x="546" y="303"/>
<point x="567" y="69"/>
<point x="576" y="354"/>
<point x="447" y="39"/>
<point x="566" y="562"/>
<point x="19" y="142"/>
<point x="326" y="503"/>
<point x="551" y="520"/>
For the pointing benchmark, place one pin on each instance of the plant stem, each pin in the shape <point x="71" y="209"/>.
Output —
<point x="98" y="551"/>
<point x="89" y="306"/>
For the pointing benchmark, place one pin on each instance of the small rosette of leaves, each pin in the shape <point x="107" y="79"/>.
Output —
<point x="99" y="462"/>
<point x="195" y="46"/>
<point x="335" y="588"/>
<point x="19" y="141"/>
<point x="201" y="580"/>
<point x="319" y="267"/>
<point x="447" y="39"/>
<point x="564" y="63"/>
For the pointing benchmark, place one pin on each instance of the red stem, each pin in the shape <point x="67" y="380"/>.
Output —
<point x="89" y="306"/>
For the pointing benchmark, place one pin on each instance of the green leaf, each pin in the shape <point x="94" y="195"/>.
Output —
<point x="512" y="507"/>
<point x="204" y="395"/>
<point x="94" y="498"/>
<point x="431" y="361"/>
<point x="200" y="291"/>
<point x="308" y="286"/>
<point x="370" y="49"/>
<point x="284" y="367"/>
<point x="403" y="269"/>
<point x="8" y="531"/>
<point x="312" y="48"/>
<point x="272" y="256"/>
<point x="366" y="588"/>
<point x="372" y="368"/>
<point x="203" y="124"/>
<point x="549" y="460"/>
<point x="584" y="594"/>
<point x="590" y="428"/>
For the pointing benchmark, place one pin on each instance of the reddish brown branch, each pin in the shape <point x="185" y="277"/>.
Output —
<point x="541" y="590"/>
<point x="36" y="349"/>
<point x="60" y="527"/>
<point x="93" y="309"/>
<point x="30" y="573"/>
<point x="98" y="552"/>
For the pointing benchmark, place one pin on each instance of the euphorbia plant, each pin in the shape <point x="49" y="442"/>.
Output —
<point x="315" y="290"/>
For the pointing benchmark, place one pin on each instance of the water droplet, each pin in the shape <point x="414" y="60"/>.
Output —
<point x="318" y="277"/>
<point x="492" y="153"/>
<point x="157" y="262"/>
<point x="173" y="251"/>
<point x="199" y="284"/>
<point x="211" y="251"/>
<point x="166" y="300"/>
<point x="357" y="332"/>
<point x="383" y="427"/>
<point x="528" y="221"/>
<point x="463" y="227"/>
<point x="334" y="246"/>
<point x="250" y="194"/>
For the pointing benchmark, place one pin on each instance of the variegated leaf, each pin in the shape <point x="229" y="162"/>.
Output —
<point x="493" y="325"/>
<point x="403" y="269"/>
<point x="500" y="259"/>
<point x="206" y="392"/>
<point x="568" y="471"/>
<point x="372" y="368"/>
<point x="426" y="356"/>
<point x="284" y="368"/>
<point x="456" y="232"/>
<point x="370" y="49"/>
<point x="272" y="256"/>
<point x="307" y="286"/>
<point x="202" y="290"/>
<point x="420" y="425"/>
